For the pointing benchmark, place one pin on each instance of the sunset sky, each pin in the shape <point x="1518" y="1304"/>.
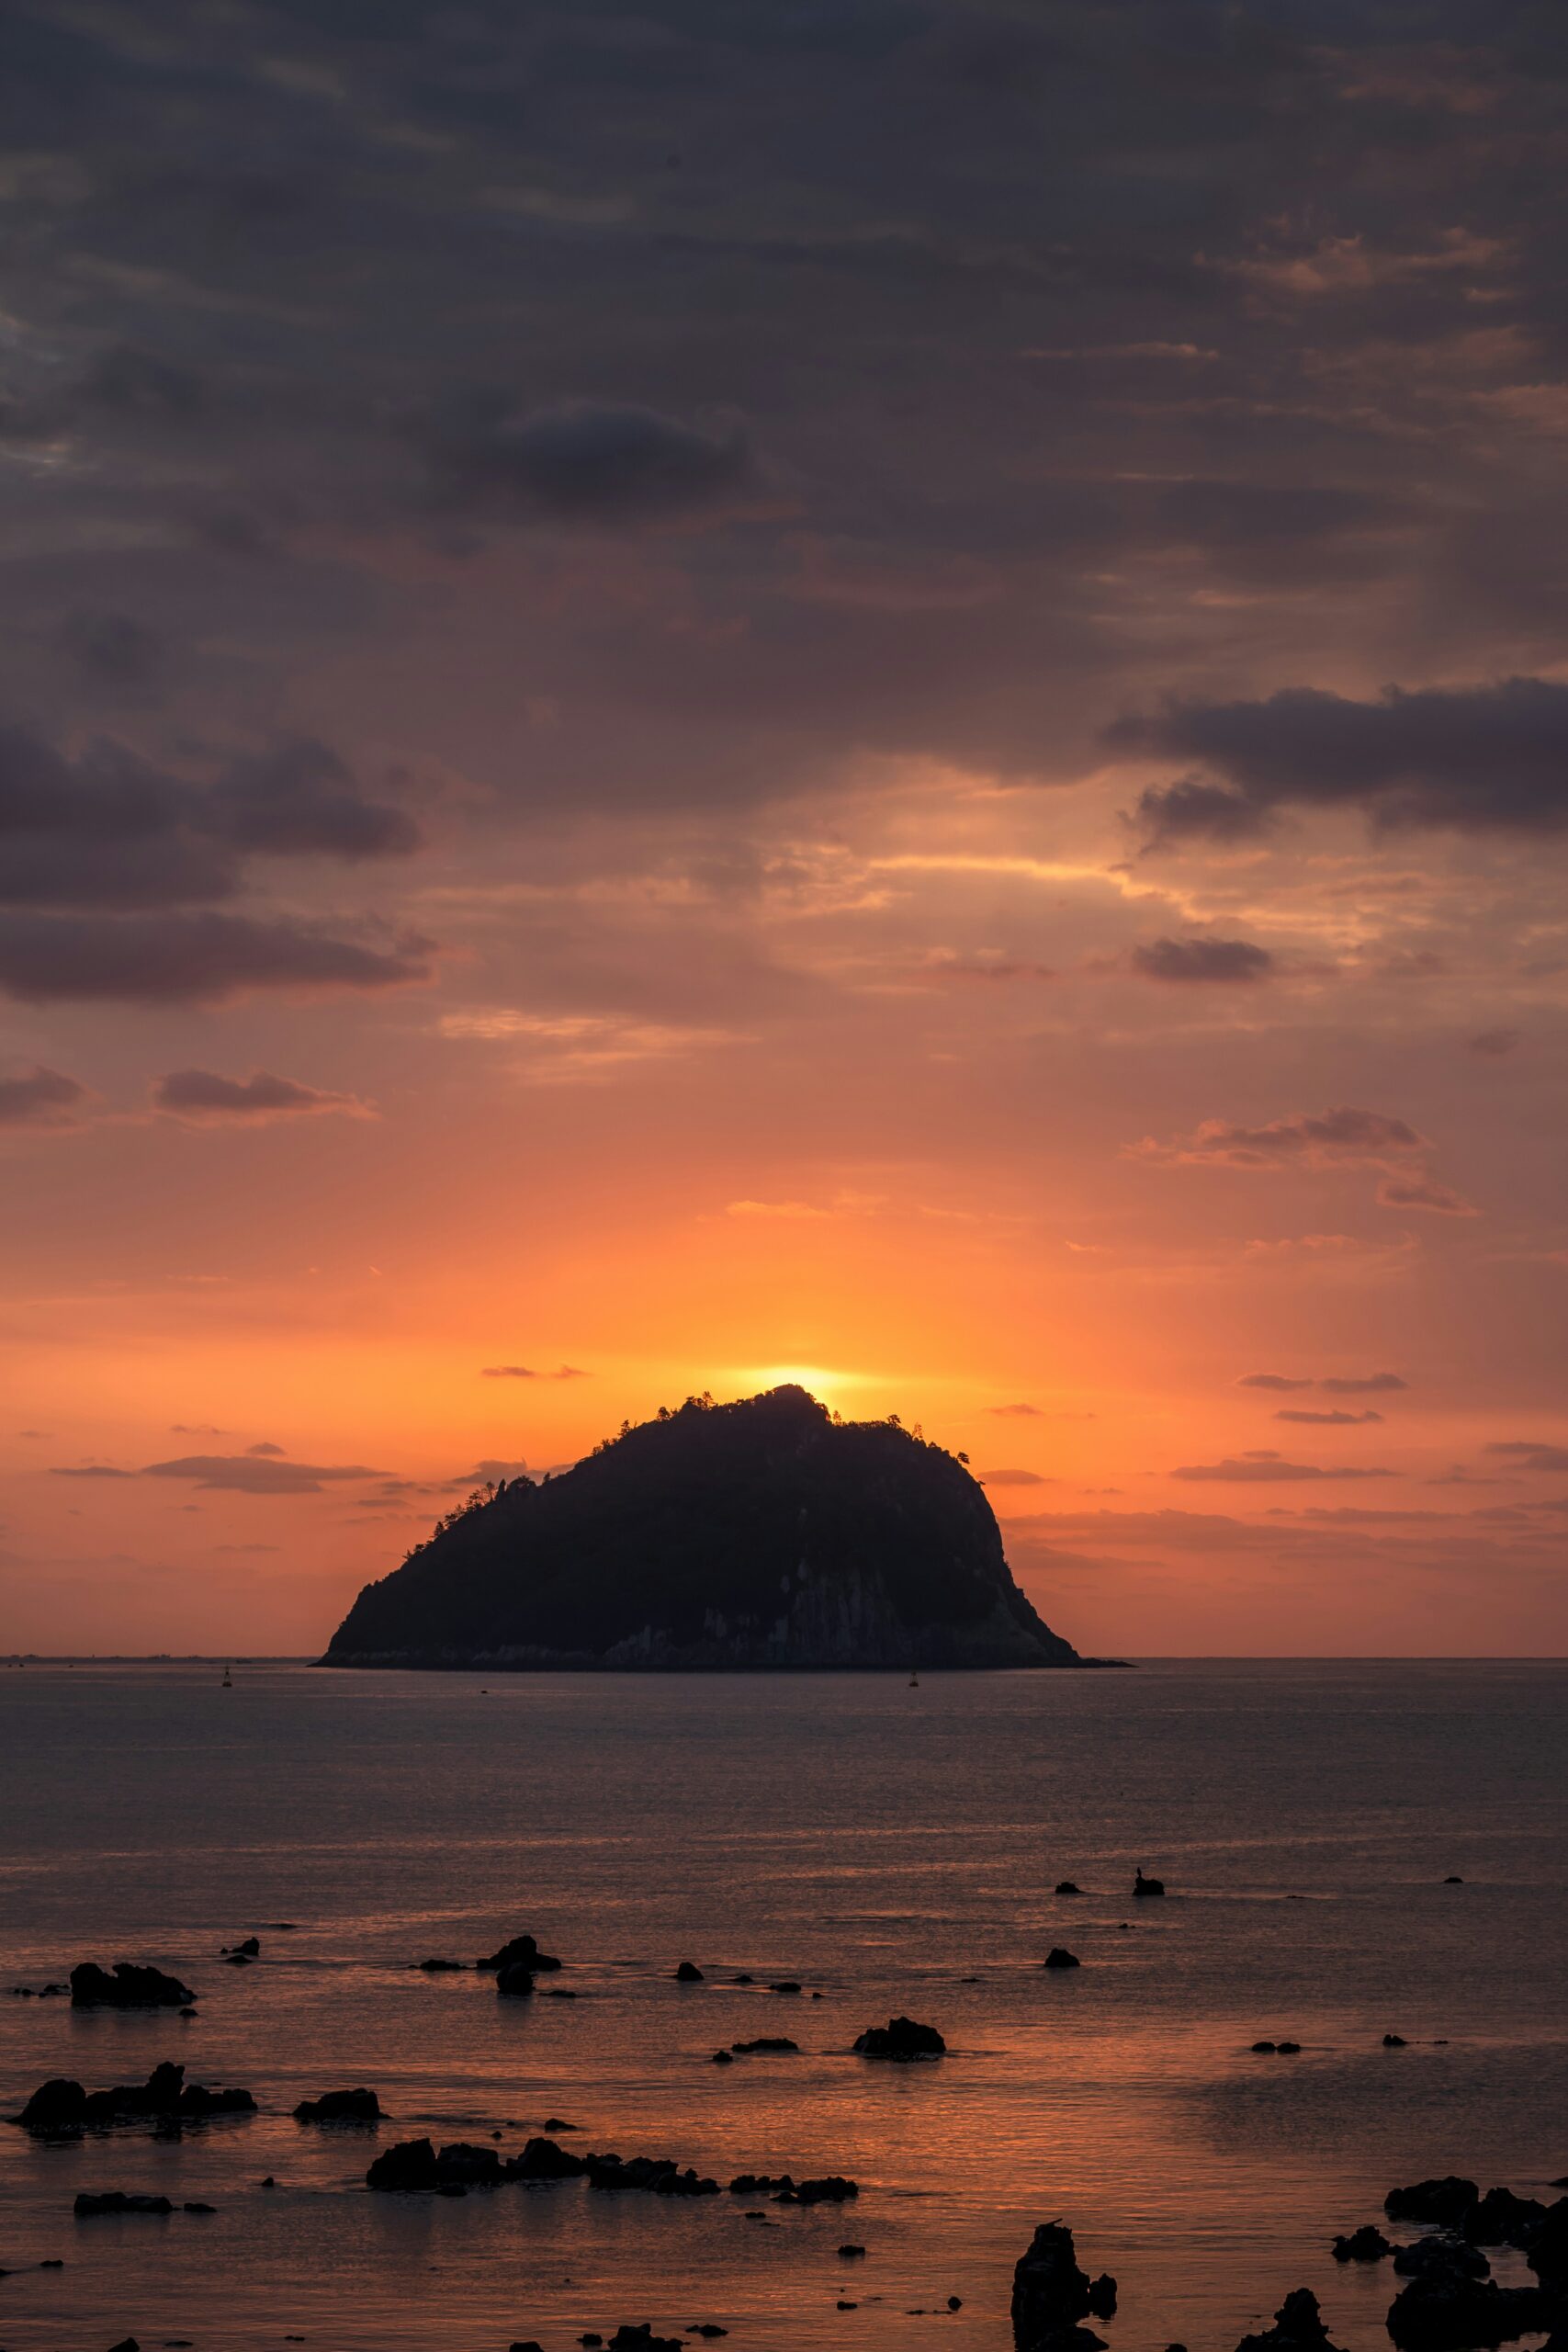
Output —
<point x="862" y="691"/>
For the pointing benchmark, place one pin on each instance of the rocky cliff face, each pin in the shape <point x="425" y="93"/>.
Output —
<point x="756" y="1534"/>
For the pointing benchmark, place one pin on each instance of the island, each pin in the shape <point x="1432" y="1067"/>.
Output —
<point x="765" y="1533"/>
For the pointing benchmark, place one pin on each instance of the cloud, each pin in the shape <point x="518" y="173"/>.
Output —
<point x="783" y="1212"/>
<point x="202" y="1095"/>
<point x="42" y="1098"/>
<point x="1016" y="1412"/>
<point x="244" y="1474"/>
<point x="195" y="1429"/>
<point x="92" y="1470"/>
<point x="1333" y="1421"/>
<point x="112" y="648"/>
<point x="1424" y="1193"/>
<point x="109" y="830"/>
<point x="522" y="1371"/>
<point x="1224" y="961"/>
<point x="189" y="958"/>
<point x="1337" y="1138"/>
<point x="1276" y="1379"/>
<point x="1267" y="1469"/>
<point x="1473" y="759"/>
<point x="586" y="464"/>
<point x="1014" y="1478"/>
<point x="1493" y="1044"/>
<point x="1370" y="1384"/>
<point x="267" y="1453"/>
<point x="1531" y="1453"/>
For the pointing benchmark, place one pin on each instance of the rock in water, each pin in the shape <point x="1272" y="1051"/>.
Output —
<point x="759" y="1533"/>
<point x="1447" y="2203"/>
<point x="1051" y="2293"/>
<point x="1298" y="2327"/>
<point x="1366" y="2244"/>
<point x="1146" y="1886"/>
<point x="522" y="1952"/>
<point x="1060" y="1957"/>
<point x="899" y="2038"/>
<point x="130" y="1987"/>
<point x="340" y="2106"/>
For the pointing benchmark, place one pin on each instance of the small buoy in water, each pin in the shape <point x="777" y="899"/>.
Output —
<point x="914" y="1679"/>
<point x="228" y="1679"/>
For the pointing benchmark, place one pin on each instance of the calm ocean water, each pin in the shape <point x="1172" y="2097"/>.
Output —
<point x="894" y="1850"/>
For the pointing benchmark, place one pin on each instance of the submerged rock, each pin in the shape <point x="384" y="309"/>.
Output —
<point x="340" y="2106"/>
<point x="439" y="1967"/>
<point x="764" y="2041"/>
<point x="130" y="1987"/>
<point x="899" y="2038"/>
<point x="118" y="2201"/>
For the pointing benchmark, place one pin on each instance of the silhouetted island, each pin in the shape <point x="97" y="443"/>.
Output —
<point x="765" y="1533"/>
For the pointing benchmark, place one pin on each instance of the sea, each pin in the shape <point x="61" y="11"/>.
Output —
<point x="891" y="1850"/>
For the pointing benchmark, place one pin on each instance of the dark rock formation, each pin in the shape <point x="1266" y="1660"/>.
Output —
<point x="117" y="2201"/>
<point x="439" y="1967"/>
<point x="62" y="2106"/>
<point x="1394" y="2042"/>
<point x="688" y="1973"/>
<point x="1051" y="2294"/>
<point x="543" y="2160"/>
<point x="643" y="2339"/>
<point x="1447" y="2312"/>
<point x="1067" y="1886"/>
<point x="851" y="2253"/>
<point x="831" y="2189"/>
<point x="340" y="2106"/>
<point x="764" y="2041"/>
<point x="516" y="1980"/>
<point x="1060" y="1957"/>
<point x="130" y="1987"/>
<point x="1366" y="2244"/>
<point x="722" y="2058"/>
<point x="249" y="1950"/>
<point x="760" y="1534"/>
<point x="1298" y="2327"/>
<point x="660" y="2174"/>
<point x="1147" y="1886"/>
<point x="1444" y="2204"/>
<point x="1440" y="2255"/>
<point x="522" y="1952"/>
<point x="1548" y="2251"/>
<point x="1502" y="2218"/>
<point x="899" y="2038"/>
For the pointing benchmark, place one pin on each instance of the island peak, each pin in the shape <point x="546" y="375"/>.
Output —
<point x="762" y="1532"/>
